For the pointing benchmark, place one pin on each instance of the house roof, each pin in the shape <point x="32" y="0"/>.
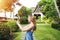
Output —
<point x="37" y="9"/>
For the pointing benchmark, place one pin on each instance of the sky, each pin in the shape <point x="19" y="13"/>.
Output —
<point x="27" y="3"/>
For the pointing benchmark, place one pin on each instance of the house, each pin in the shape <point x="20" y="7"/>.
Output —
<point x="37" y="12"/>
<point x="2" y="17"/>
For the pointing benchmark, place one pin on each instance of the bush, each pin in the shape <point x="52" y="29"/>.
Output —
<point x="48" y="20"/>
<point x="56" y="26"/>
<point x="23" y="20"/>
<point x="4" y="31"/>
<point x="12" y="25"/>
<point x="56" y="23"/>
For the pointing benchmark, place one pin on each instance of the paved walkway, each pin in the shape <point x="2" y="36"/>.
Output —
<point x="23" y="35"/>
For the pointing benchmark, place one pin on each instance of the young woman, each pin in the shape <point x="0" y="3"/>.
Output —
<point x="29" y="29"/>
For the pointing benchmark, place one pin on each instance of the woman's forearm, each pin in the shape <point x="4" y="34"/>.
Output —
<point x="19" y="26"/>
<point x="26" y="28"/>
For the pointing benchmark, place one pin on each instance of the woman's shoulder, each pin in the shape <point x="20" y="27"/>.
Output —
<point x="31" y="25"/>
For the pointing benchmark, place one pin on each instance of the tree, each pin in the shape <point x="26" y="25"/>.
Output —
<point x="23" y="14"/>
<point x="48" y="7"/>
<point x="24" y="11"/>
<point x="56" y="2"/>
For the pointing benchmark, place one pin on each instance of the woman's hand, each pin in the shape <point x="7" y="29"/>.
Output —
<point x="18" y="22"/>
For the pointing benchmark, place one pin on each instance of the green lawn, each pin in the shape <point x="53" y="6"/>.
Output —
<point x="17" y="36"/>
<point x="46" y="32"/>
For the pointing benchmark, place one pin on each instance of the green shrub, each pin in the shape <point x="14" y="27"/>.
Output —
<point x="56" y="26"/>
<point x="56" y="23"/>
<point x="4" y="32"/>
<point x="12" y="25"/>
<point x="23" y="20"/>
<point x="48" y="20"/>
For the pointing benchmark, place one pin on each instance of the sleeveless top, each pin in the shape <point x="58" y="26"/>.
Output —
<point x="29" y="34"/>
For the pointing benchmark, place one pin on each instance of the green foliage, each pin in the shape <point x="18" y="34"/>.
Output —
<point x="39" y="21"/>
<point x="17" y="36"/>
<point x="12" y="25"/>
<point x="23" y="20"/>
<point x="47" y="7"/>
<point x="48" y="20"/>
<point x="23" y="14"/>
<point x="24" y="11"/>
<point x="58" y="3"/>
<point x="56" y="23"/>
<point x="4" y="31"/>
<point x="56" y="26"/>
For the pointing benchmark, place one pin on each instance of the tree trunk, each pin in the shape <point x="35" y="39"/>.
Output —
<point x="57" y="8"/>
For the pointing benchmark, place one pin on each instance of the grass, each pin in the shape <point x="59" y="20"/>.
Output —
<point x="17" y="36"/>
<point x="46" y="32"/>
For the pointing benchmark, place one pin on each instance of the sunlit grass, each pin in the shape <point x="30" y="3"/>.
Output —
<point x="46" y="32"/>
<point x="17" y="36"/>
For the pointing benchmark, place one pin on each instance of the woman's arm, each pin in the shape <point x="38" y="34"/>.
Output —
<point x="26" y="28"/>
<point x="19" y="25"/>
